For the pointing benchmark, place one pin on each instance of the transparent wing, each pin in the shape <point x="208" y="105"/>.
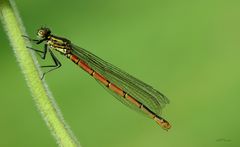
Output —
<point x="141" y="91"/>
<point x="123" y="100"/>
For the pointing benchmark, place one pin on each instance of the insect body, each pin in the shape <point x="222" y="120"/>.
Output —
<point x="126" y="88"/>
<point x="61" y="45"/>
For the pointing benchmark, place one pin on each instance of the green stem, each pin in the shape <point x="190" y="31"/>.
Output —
<point x="30" y="68"/>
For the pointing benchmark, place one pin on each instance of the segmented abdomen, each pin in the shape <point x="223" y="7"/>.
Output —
<point x="162" y="122"/>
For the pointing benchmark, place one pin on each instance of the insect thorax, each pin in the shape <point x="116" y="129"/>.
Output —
<point x="61" y="45"/>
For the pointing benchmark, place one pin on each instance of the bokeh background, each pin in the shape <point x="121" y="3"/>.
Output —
<point x="189" y="50"/>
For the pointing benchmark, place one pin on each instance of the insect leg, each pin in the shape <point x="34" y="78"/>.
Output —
<point x="37" y="41"/>
<point x="56" y="65"/>
<point x="42" y="54"/>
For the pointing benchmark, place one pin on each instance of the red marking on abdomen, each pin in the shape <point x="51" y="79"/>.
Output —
<point x="89" y="70"/>
<point x="100" y="78"/>
<point x="85" y="67"/>
<point x="116" y="89"/>
<point x="162" y="122"/>
<point x="74" y="58"/>
<point x="133" y="100"/>
<point x="147" y="111"/>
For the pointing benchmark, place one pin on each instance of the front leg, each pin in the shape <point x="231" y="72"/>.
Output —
<point x="37" y="41"/>
<point x="42" y="54"/>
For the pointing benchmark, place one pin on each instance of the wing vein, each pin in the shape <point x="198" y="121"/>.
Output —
<point x="141" y="91"/>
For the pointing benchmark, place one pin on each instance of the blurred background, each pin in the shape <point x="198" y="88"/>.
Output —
<point x="189" y="50"/>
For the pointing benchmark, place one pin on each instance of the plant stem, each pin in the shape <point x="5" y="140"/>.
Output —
<point x="30" y="68"/>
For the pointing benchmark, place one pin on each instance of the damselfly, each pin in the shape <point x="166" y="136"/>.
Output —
<point x="126" y="88"/>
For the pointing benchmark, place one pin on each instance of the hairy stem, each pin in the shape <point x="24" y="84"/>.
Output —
<point x="30" y="68"/>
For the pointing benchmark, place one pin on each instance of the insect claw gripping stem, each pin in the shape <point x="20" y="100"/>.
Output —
<point x="42" y="76"/>
<point x="43" y="53"/>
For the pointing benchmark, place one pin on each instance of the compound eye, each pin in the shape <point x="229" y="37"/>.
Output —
<point x="40" y="33"/>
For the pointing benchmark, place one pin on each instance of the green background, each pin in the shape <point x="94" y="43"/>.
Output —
<point x="189" y="50"/>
